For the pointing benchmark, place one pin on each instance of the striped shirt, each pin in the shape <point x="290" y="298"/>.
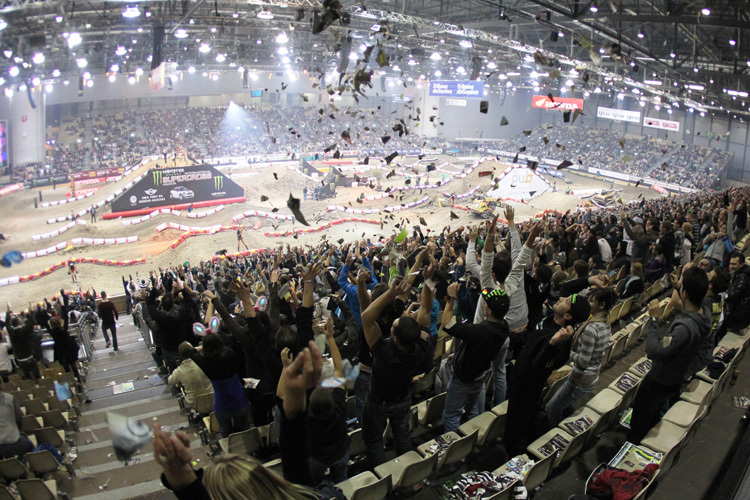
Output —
<point x="587" y="358"/>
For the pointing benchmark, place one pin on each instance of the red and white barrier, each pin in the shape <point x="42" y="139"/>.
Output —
<point x="46" y="251"/>
<point x="200" y="215"/>
<point x="58" y="232"/>
<point x="395" y="208"/>
<point x="83" y="192"/>
<point x="68" y="200"/>
<point x="320" y="228"/>
<point x="63" y="264"/>
<point x="461" y="196"/>
<point x="260" y="213"/>
<point x="130" y="222"/>
<point x="104" y="241"/>
<point x="194" y="231"/>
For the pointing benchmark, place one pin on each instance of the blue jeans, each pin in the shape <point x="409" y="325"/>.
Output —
<point x="361" y="388"/>
<point x="460" y="396"/>
<point x="374" y="419"/>
<point x="499" y="383"/>
<point x="229" y="423"/>
<point x="339" y="469"/>
<point x="562" y="404"/>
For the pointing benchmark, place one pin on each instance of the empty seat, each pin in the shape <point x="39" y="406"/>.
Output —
<point x="489" y="425"/>
<point x="5" y="493"/>
<point x="665" y="437"/>
<point x="275" y="467"/>
<point x="619" y="346"/>
<point x="697" y="392"/>
<point x="408" y="469"/>
<point x="269" y="435"/>
<point x="56" y="419"/>
<point x="504" y="494"/>
<point x="242" y="443"/>
<point x="501" y="409"/>
<point x="351" y="407"/>
<point x="25" y="385"/>
<point x="606" y="402"/>
<point x="42" y="463"/>
<point x="30" y="423"/>
<point x="33" y="407"/>
<point x="47" y="383"/>
<point x="52" y="436"/>
<point x="539" y="472"/>
<point x="210" y="427"/>
<point x="544" y="446"/>
<point x="571" y="426"/>
<point x="12" y="469"/>
<point x="203" y="406"/>
<point x="457" y="450"/>
<point x="424" y="384"/>
<point x="431" y="410"/>
<point x="626" y="385"/>
<point x="36" y="489"/>
<point x="683" y="414"/>
<point x="366" y="486"/>
<point x="356" y="444"/>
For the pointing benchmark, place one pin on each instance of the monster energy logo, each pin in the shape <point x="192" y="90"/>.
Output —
<point x="158" y="174"/>
<point x="218" y="182"/>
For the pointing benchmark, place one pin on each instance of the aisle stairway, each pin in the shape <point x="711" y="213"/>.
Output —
<point x="151" y="400"/>
<point x="88" y="138"/>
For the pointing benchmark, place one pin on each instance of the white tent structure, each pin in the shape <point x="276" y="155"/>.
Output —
<point x="520" y="183"/>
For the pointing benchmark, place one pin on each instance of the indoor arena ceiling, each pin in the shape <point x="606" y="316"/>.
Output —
<point x="696" y="54"/>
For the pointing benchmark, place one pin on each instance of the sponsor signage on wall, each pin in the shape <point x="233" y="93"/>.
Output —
<point x="174" y="186"/>
<point x="455" y="102"/>
<point x="402" y="98"/>
<point x="618" y="114"/>
<point x="467" y="88"/>
<point x="662" y="124"/>
<point x="563" y="103"/>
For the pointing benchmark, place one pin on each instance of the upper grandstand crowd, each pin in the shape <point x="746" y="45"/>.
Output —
<point x="540" y="293"/>
<point x="205" y="133"/>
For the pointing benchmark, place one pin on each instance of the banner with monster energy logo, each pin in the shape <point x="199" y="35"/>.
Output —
<point x="198" y="184"/>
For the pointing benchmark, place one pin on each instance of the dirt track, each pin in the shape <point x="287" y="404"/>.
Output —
<point x="22" y="221"/>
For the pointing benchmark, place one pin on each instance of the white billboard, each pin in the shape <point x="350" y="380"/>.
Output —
<point x="619" y="114"/>
<point x="455" y="102"/>
<point x="520" y="183"/>
<point x="662" y="124"/>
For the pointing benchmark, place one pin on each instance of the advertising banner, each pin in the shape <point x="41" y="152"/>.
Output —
<point x="618" y="114"/>
<point x="662" y="124"/>
<point x="177" y="186"/>
<point x="455" y="102"/>
<point x="48" y="181"/>
<point x="467" y="88"/>
<point x="93" y="174"/>
<point x="402" y="98"/>
<point x="659" y="188"/>
<point x="561" y="103"/>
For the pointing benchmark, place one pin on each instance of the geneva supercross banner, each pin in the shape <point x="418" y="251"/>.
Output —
<point x="178" y="186"/>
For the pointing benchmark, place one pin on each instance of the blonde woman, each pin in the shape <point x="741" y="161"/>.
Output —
<point x="233" y="477"/>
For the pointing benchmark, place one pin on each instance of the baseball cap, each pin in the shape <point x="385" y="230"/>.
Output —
<point x="579" y="309"/>
<point x="498" y="302"/>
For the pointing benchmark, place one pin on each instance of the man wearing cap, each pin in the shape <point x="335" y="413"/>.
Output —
<point x="476" y="347"/>
<point x="545" y="350"/>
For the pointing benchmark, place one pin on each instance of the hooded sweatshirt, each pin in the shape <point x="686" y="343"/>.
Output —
<point x="672" y="353"/>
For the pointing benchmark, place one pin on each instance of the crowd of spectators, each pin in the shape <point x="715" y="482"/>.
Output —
<point x="689" y="166"/>
<point x="379" y="308"/>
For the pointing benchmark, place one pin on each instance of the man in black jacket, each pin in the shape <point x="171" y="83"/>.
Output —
<point x="477" y="346"/>
<point x="737" y="313"/>
<point x="671" y="353"/>
<point x="546" y="350"/>
<point x="174" y="321"/>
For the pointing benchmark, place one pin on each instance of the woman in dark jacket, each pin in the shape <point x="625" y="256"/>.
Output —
<point x="634" y="283"/>
<point x="220" y="363"/>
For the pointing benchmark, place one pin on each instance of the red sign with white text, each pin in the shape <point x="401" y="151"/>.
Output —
<point x="563" y="103"/>
<point x="659" y="188"/>
<point x="662" y="124"/>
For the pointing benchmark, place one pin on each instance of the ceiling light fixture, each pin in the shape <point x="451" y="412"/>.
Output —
<point x="438" y="73"/>
<point x="191" y="69"/>
<point x="38" y="58"/>
<point x="706" y="11"/>
<point x="465" y="44"/>
<point x="131" y="12"/>
<point x="14" y="71"/>
<point x="281" y="38"/>
<point x="204" y="48"/>
<point x="265" y="14"/>
<point x="594" y="8"/>
<point x="181" y="33"/>
<point x="491" y="65"/>
<point x="131" y="80"/>
<point x="48" y="88"/>
<point x="282" y="51"/>
<point x="436" y="56"/>
<point x="3" y="24"/>
<point x="82" y="62"/>
<point x="641" y="35"/>
<point x="138" y="71"/>
<point x="112" y="77"/>
<point x="121" y="51"/>
<point x="220" y="58"/>
<point x="55" y="73"/>
<point x="58" y="19"/>
<point x="74" y="39"/>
